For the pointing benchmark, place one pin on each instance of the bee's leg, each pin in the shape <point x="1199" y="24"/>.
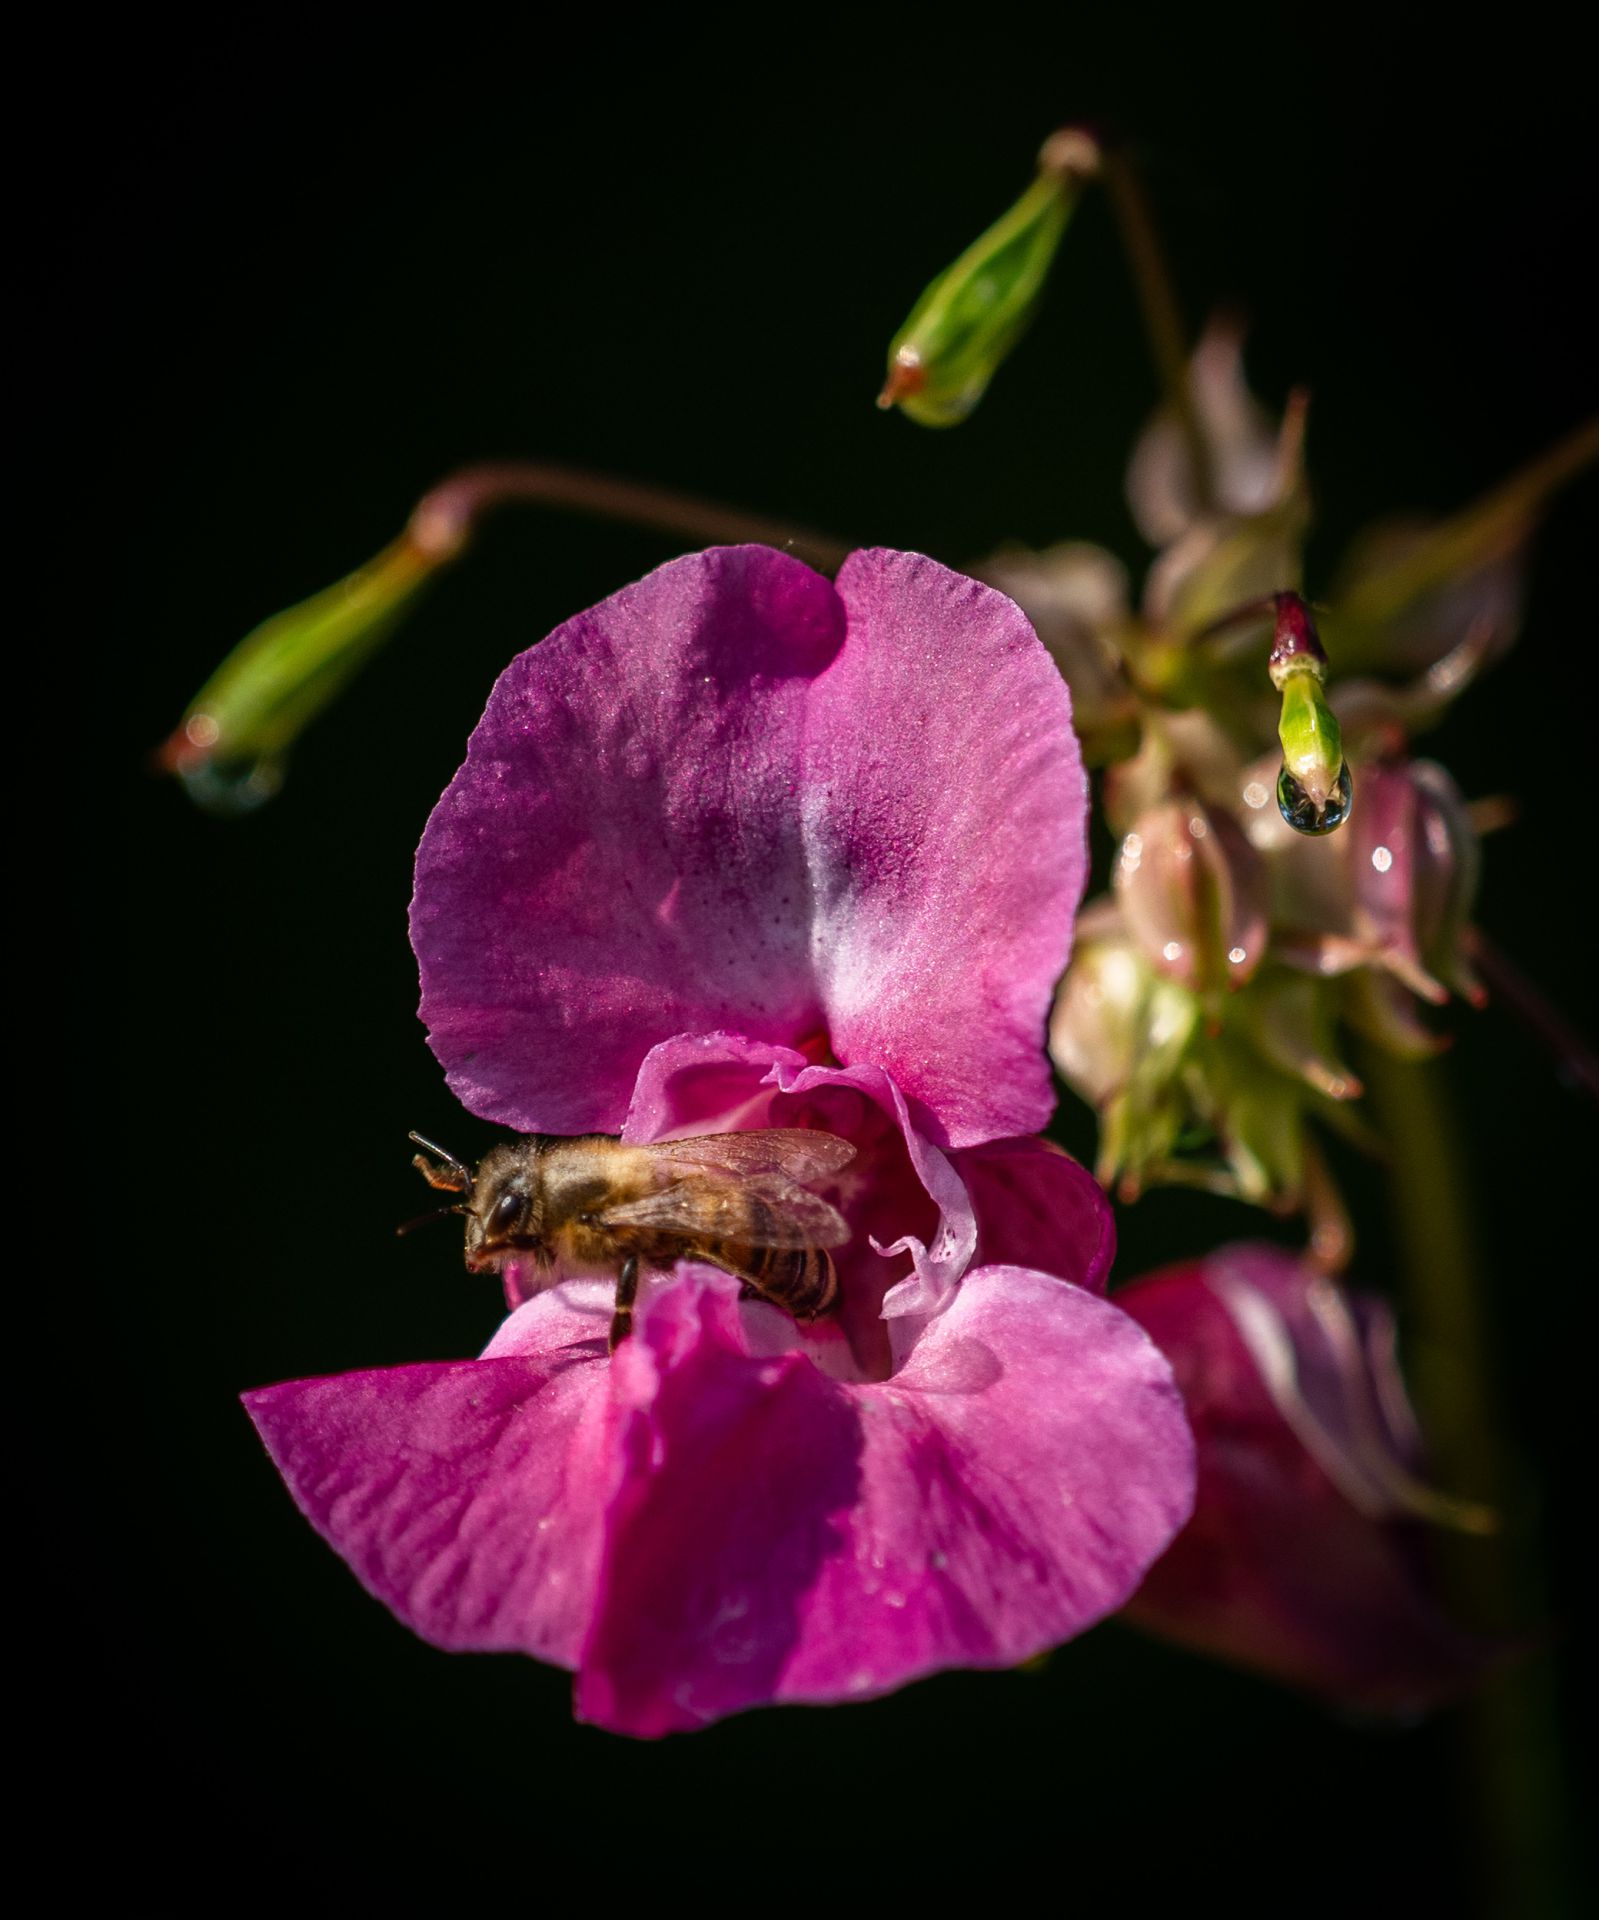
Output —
<point x="626" y="1294"/>
<point x="446" y="1179"/>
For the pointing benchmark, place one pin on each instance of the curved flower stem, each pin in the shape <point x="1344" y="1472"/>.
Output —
<point x="1332" y="1231"/>
<point x="229" y="747"/>
<point x="447" y="516"/>
<point x="1514" y="1785"/>
<point x="1163" y="321"/>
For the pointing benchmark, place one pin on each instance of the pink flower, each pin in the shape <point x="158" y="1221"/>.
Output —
<point x="740" y="848"/>
<point x="1307" y="1556"/>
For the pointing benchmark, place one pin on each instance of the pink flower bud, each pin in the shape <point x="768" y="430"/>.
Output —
<point x="1413" y="869"/>
<point x="1194" y="895"/>
<point x="1099" y="1026"/>
<point x="1242" y="436"/>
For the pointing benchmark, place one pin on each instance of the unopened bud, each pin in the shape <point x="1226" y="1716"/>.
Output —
<point x="1119" y="1035"/>
<point x="1098" y="1023"/>
<point x="1193" y="892"/>
<point x="1413" y="863"/>
<point x="230" y="746"/>
<point x="1314" y="789"/>
<point x="1289" y="1016"/>
<point x="965" y="324"/>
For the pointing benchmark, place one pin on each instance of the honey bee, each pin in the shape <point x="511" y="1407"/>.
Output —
<point x="591" y="1205"/>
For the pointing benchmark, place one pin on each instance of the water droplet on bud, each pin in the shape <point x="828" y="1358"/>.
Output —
<point x="229" y="789"/>
<point x="1303" y="814"/>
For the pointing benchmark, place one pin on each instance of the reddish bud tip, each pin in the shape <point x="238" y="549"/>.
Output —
<point x="906" y="375"/>
<point x="1295" y="643"/>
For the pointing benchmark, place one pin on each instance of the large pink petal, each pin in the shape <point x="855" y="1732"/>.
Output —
<point x="785" y="1537"/>
<point x="468" y="1497"/>
<point x="953" y="835"/>
<point x="734" y="798"/>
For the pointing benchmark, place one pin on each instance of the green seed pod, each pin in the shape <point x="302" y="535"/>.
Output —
<point x="231" y="744"/>
<point x="960" y="331"/>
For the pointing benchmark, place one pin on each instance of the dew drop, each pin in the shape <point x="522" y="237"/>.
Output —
<point x="230" y="788"/>
<point x="1382" y="859"/>
<point x="1302" y="813"/>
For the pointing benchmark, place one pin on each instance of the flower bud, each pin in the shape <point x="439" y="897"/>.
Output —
<point x="1193" y="892"/>
<point x="1314" y="788"/>
<point x="1097" y="1026"/>
<point x="1413" y="867"/>
<point x="230" y="746"/>
<point x="1289" y="1016"/>
<point x="1180" y="1099"/>
<point x="1119" y="1035"/>
<point x="965" y="324"/>
<point x="1246" y="474"/>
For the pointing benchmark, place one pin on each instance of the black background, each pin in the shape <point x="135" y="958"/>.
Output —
<point x="298" y="282"/>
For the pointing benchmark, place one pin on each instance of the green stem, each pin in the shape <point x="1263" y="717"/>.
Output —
<point x="1517" y="1816"/>
<point x="1163" y="320"/>
<point x="447" y="517"/>
<point x="229" y="748"/>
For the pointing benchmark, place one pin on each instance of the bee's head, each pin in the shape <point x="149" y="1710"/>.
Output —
<point x="504" y="1212"/>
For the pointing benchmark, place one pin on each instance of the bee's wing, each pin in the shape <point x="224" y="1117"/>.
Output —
<point x="788" y="1215"/>
<point x="800" y="1153"/>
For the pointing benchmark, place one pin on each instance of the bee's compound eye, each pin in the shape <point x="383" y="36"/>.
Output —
<point x="506" y="1214"/>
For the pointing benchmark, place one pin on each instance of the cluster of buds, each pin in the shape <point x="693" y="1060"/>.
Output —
<point x="1268" y="894"/>
<point x="1203" y="1013"/>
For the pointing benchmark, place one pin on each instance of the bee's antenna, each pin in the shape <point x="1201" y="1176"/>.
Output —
<point x="427" y="1219"/>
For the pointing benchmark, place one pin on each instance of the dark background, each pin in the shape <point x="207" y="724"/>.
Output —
<point x="298" y="282"/>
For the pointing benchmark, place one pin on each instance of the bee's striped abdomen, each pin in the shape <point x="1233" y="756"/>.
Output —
<point x="801" y="1280"/>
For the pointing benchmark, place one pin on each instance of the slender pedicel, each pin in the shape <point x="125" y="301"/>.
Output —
<point x="231" y="746"/>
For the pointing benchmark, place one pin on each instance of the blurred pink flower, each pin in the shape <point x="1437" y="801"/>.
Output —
<point x="1306" y="1557"/>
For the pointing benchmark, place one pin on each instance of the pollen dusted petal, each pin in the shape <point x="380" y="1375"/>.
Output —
<point x="736" y="798"/>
